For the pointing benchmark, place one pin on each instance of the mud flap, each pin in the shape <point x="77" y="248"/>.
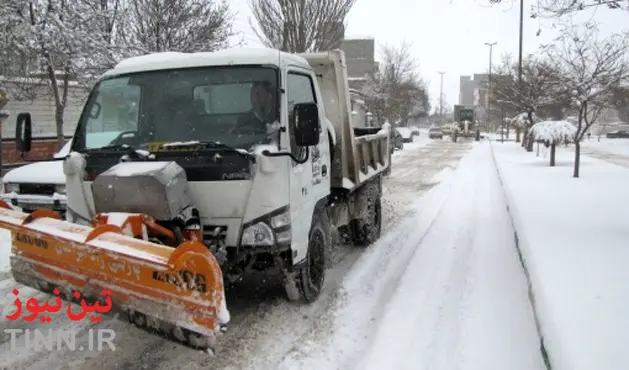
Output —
<point x="178" y="291"/>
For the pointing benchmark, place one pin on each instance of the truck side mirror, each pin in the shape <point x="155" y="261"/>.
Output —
<point x="307" y="127"/>
<point x="23" y="132"/>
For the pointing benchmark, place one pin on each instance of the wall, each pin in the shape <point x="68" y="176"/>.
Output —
<point x="40" y="149"/>
<point x="42" y="110"/>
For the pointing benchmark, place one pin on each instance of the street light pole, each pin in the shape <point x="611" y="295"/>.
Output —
<point x="491" y="47"/>
<point x="441" y="98"/>
<point x="520" y="42"/>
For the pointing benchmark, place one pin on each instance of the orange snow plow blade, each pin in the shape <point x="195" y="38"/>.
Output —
<point x="177" y="291"/>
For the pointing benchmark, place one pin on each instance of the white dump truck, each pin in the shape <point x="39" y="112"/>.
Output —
<point x="221" y="163"/>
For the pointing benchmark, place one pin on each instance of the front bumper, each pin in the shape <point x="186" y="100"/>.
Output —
<point x="31" y="202"/>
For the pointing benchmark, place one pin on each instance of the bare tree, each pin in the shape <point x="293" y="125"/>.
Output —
<point x="539" y="89"/>
<point x="560" y="8"/>
<point x="591" y="68"/>
<point x="299" y="26"/>
<point x="180" y="25"/>
<point x="397" y="92"/>
<point x="58" y="40"/>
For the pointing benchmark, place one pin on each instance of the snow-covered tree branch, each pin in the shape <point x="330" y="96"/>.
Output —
<point x="538" y="90"/>
<point x="59" y="42"/>
<point x="300" y="25"/>
<point x="591" y="68"/>
<point x="179" y="25"/>
<point x="396" y="91"/>
<point x="560" y="8"/>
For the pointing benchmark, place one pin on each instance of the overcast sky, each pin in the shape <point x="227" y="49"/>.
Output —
<point x="447" y="35"/>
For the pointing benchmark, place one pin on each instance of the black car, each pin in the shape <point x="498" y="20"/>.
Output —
<point x="620" y="134"/>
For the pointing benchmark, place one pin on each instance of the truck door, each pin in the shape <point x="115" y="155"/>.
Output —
<point x="308" y="181"/>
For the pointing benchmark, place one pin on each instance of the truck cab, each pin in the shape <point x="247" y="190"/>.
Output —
<point x="266" y="144"/>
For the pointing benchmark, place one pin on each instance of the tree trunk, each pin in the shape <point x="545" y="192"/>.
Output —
<point x="577" y="158"/>
<point x="517" y="135"/>
<point x="552" y="155"/>
<point x="59" y="123"/>
<point x="529" y="143"/>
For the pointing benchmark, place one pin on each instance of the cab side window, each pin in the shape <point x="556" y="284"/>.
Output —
<point x="300" y="90"/>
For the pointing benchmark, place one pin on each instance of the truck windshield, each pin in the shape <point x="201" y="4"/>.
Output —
<point x="234" y="106"/>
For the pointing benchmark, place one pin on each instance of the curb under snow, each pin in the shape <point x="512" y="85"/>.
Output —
<point x="520" y="242"/>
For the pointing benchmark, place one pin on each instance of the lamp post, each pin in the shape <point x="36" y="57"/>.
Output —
<point x="520" y="41"/>
<point x="441" y="98"/>
<point x="491" y="47"/>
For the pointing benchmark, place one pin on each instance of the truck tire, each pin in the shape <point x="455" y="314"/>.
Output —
<point x="311" y="276"/>
<point x="367" y="230"/>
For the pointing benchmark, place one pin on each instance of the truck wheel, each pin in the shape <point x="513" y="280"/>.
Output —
<point x="311" y="276"/>
<point x="366" y="231"/>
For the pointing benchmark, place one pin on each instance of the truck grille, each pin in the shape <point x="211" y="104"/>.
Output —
<point x="208" y="232"/>
<point x="39" y="189"/>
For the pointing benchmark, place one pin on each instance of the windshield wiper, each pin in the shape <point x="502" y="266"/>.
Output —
<point x="127" y="149"/>
<point x="213" y="145"/>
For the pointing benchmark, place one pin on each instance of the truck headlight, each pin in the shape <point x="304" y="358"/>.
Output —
<point x="258" y="234"/>
<point x="280" y="220"/>
<point x="61" y="189"/>
<point x="11" y="188"/>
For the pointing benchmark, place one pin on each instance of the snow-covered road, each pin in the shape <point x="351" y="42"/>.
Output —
<point x="443" y="289"/>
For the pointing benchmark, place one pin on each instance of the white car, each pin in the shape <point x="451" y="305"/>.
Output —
<point x="42" y="184"/>
<point x="407" y="134"/>
<point x="38" y="185"/>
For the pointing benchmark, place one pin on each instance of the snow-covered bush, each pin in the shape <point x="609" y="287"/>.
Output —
<point x="553" y="133"/>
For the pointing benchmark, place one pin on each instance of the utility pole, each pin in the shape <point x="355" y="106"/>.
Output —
<point x="491" y="47"/>
<point x="521" y="37"/>
<point x="441" y="98"/>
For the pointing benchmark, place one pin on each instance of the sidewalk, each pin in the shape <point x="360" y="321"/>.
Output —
<point x="574" y="238"/>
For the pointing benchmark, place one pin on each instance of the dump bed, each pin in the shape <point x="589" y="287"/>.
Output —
<point x="358" y="156"/>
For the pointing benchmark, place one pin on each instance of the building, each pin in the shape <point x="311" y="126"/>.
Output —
<point x="360" y="55"/>
<point x="41" y="106"/>
<point x="472" y="89"/>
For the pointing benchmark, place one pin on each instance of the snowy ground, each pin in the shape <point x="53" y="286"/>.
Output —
<point x="573" y="235"/>
<point x="611" y="150"/>
<point x="442" y="289"/>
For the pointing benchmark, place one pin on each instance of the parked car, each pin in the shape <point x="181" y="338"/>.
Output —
<point x="619" y="134"/>
<point x="43" y="184"/>
<point x="435" y="133"/>
<point x="396" y="140"/>
<point x="38" y="185"/>
<point x="415" y="131"/>
<point x="407" y="134"/>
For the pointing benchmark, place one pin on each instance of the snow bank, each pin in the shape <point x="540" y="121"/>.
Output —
<point x="5" y="249"/>
<point x="573" y="235"/>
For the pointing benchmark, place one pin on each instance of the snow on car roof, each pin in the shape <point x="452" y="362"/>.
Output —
<point x="175" y="60"/>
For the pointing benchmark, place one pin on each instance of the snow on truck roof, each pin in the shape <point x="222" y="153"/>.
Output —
<point x="233" y="56"/>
